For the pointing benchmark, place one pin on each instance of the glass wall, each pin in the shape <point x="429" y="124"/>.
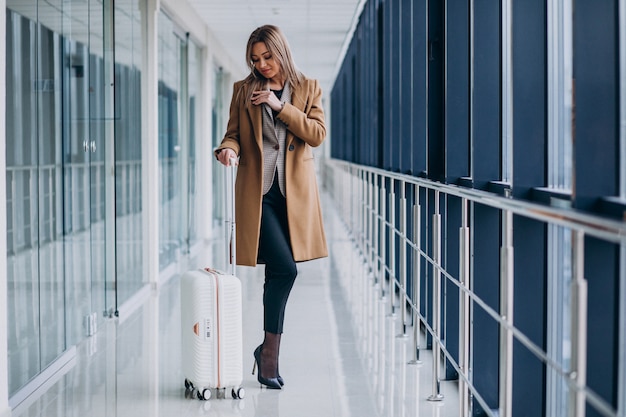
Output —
<point x="560" y="147"/>
<point x="217" y="133"/>
<point x="170" y="198"/>
<point x="128" y="167"/>
<point x="64" y="121"/>
<point x="194" y="59"/>
<point x="55" y="180"/>
<point x="73" y="111"/>
<point x="180" y="72"/>
<point x="22" y="206"/>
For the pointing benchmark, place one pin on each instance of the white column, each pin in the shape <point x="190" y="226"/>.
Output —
<point x="4" y="375"/>
<point x="150" y="143"/>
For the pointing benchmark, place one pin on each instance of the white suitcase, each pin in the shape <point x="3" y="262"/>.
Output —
<point x="211" y="319"/>
<point x="211" y="333"/>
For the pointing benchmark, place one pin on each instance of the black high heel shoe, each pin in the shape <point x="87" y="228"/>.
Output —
<point x="272" y="383"/>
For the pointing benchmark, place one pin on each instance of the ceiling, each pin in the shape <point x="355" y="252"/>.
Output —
<point x="315" y="29"/>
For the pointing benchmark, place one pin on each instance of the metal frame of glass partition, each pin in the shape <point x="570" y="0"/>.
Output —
<point x="366" y="202"/>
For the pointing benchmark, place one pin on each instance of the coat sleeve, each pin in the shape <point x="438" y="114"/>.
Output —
<point x="231" y="137"/>
<point x="309" y="124"/>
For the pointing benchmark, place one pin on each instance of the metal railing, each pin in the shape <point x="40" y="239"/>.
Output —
<point x="366" y="200"/>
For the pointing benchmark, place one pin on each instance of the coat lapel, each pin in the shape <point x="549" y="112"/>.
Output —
<point x="298" y="99"/>
<point x="256" y="119"/>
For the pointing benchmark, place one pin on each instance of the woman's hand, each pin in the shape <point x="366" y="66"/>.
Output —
<point x="225" y="155"/>
<point x="266" y="96"/>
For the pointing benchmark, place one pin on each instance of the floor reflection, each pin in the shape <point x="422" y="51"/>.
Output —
<point x="340" y="356"/>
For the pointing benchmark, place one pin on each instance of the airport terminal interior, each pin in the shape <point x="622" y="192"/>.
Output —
<point x="472" y="184"/>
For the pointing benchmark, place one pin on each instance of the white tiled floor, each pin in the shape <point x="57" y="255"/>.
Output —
<point x="339" y="355"/>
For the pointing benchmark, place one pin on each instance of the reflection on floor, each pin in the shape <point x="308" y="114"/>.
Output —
<point x="340" y="354"/>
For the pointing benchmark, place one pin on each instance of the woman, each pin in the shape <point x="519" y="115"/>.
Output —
<point x="276" y="118"/>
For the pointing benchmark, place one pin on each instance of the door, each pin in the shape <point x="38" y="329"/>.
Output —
<point x="83" y="167"/>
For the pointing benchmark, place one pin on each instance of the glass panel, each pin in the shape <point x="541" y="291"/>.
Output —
<point x="128" y="211"/>
<point x="76" y="170"/>
<point x="559" y="305"/>
<point x="97" y="176"/>
<point x="194" y="55"/>
<point x="507" y="92"/>
<point x="560" y="170"/>
<point x="217" y="110"/>
<point x="560" y="94"/>
<point x="55" y="179"/>
<point x="49" y="99"/>
<point x="22" y="198"/>
<point x="170" y="226"/>
<point x="183" y="145"/>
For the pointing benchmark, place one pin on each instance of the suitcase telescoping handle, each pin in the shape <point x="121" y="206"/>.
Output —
<point x="232" y="241"/>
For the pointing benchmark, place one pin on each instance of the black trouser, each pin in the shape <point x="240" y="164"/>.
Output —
<point x="275" y="251"/>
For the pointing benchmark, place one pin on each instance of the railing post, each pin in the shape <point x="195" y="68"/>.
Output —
<point x="14" y="206"/>
<point x="375" y="251"/>
<point x="417" y="257"/>
<point x="621" y="401"/>
<point x="402" y="268"/>
<point x="392" y="248"/>
<point x="358" y="206"/>
<point x="356" y="217"/>
<point x="383" y="238"/>
<point x="506" y="315"/>
<point x="370" y="223"/>
<point x="364" y="212"/>
<point x="436" y="395"/>
<point x="361" y="212"/>
<point x="578" y="372"/>
<point x="346" y="195"/>
<point x="464" y="311"/>
<point x="354" y="188"/>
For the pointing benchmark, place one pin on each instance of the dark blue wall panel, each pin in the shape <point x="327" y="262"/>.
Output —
<point x="457" y="117"/>
<point x="529" y="96"/>
<point x="418" y="86"/>
<point x="436" y="90"/>
<point x="486" y="100"/>
<point x="529" y="315"/>
<point x="596" y="101"/>
<point x="406" y="90"/>
<point x="486" y="283"/>
<point x="602" y="275"/>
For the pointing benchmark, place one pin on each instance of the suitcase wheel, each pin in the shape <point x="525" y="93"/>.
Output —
<point x="205" y="394"/>
<point x="188" y="384"/>
<point x="238" y="393"/>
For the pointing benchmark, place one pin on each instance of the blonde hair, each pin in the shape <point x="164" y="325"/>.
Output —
<point x="278" y="46"/>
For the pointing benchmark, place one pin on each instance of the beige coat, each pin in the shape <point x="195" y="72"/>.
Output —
<point x="304" y="119"/>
